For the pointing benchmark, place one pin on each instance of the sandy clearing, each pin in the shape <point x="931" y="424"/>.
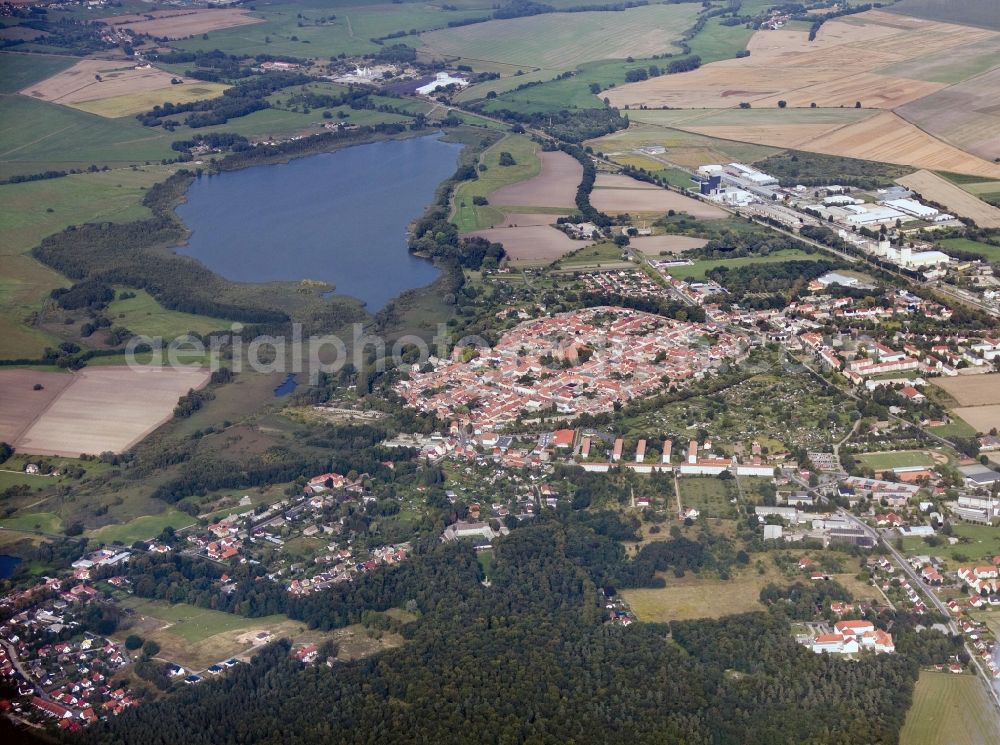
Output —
<point x="654" y="245"/>
<point x="20" y="405"/>
<point x="109" y="408"/>
<point x="980" y="418"/>
<point x="972" y="390"/>
<point x="178" y="24"/>
<point x="942" y="191"/>
<point x="642" y="199"/>
<point x="532" y="242"/>
<point x="79" y="82"/>
<point x="555" y="186"/>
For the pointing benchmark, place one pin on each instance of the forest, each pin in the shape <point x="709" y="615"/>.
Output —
<point x="530" y="659"/>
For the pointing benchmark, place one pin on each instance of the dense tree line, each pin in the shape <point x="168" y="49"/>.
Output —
<point x="788" y="277"/>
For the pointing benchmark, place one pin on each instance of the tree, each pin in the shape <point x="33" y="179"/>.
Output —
<point x="506" y="159"/>
<point x="150" y="648"/>
<point x="133" y="642"/>
<point x="857" y="104"/>
<point x="782" y="104"/>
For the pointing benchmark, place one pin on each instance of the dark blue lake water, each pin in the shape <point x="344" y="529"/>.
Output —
<point x="7" y="565"/>
<point x="287" y="386"/>
<point x="337" y="217"/>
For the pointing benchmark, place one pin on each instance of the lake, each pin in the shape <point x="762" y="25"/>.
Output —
<point x="7" y="565"/>
<point x="337" y="217"/>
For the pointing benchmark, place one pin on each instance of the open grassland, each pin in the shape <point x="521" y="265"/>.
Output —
<point x="317" y="28"/>
<point x="524" y="151"/>
<point x="134" y="103"/>
<point x="900" y="459"/>
<point x="42" y="522"/>
<point x="717" y="42"/>
<point x="554" y="186"/>
<point x="141" y="528"/>
<point x="20" y="70"/>
<point x="972" y="390"/>
<point x="563" y="41"/>
<point x="108" y="409"/>
<point x="142" y="314"/>
<point x="31" y="211"/>
<point x="950" y="709"/>
<point x="987" y="251"/>
<point x="178" y="24"/>
<point x="710" y="496"/>
<point x="685" y="149"/>
<point x="616" y="194"/>
<point x="658" y="245"/>
<point x="975" y="542"/>
<point x="699" y="268"/>
<point x="956" y="199"/>
<point x="94" y="79"/>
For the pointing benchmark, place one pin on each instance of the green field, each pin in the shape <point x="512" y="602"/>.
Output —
<point x="46" y="522"/>
<point x="950" y="709"/>
<point x="527" y="165"/>
<point x="141" y="528"/>
<point x="197" y="624"/>
<point x="561" y="41"/>
<point x="988" y="252"/>
<point x="134" y="103"/>
<point x="717" y="42"/>
<point x="708" y="494"/>
<point x="699" y="268"/>
<point x="144" y="315"/>
<point x="901" y="459"/>
<point x="18" y="71"/>
<point x="304" y="29"/>
<point x="957" y="428"/>
<point x="975" y="542"/>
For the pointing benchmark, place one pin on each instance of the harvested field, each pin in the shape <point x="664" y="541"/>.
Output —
<point x="107" y="409"/>
<point x="20" y="405"/>
<point x="614" y="194"/>
<point x="79" y="82"/>
<point x="837" y="69"/>
<point x="957" y="200"/>
<point x="555" y="186"/>
<point x="972" y="390"/>
<point x="966" y="115"/>
<point x="178" y="24"/>
<point x="532" y="242"/>
<point x="952" y="65"/>
<point x="890" y="139"/>
<point x="133" y="103"/>
<point x="563" y="41"/>
<point x="980" y="418"/>
<point x="654" y="245"/>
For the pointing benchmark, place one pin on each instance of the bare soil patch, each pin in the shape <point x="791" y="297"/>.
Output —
<point x="654" y="245"/>
<point x="20" y="405"/>
<point x="960" y="202"/>
<point x="178" y="24"/>
<point x="532" y="242"/>
<point x="972" y="390"/>
<point x="555" y="186"/>
<point x="108" y="409"/>
<point x="614" y="194"/>
<point x="80" y="82"/>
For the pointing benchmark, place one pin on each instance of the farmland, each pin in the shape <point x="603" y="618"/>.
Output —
<point x="986" y="250"/>
<point x="948" y="708"/>
<point x="91" y="80"/>
<point x="972" y="390"/>
<point x="531" y="242"/>
<point x="21" y="70"/>
<point x="972" y="12"/>
<point x="658" y="245"/>
<point x="177" y="24"/>
<point x="616" y="194"/>
<point x="563" y="41"/>
<point x="103" y="409"/>
<point x="132" y="103"/>
<point x="980" y="418"/>
<point x="469" y="216"/>
<point x="554" y="186"/>
<point x="21" y="404"/>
